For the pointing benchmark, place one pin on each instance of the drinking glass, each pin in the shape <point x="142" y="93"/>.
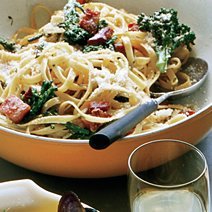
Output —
<point x="168" y="176"/>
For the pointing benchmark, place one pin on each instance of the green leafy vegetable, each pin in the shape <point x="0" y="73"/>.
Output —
<point x="9" y="46"/>
<point x="51" y="112"/>
<point x="169" y="34"/>
<point x="73" y="34"/>
<point x="102" y="23"/>
<point x="78" y="132"/>
<point x="90" y="48"/>
<point x="108" y="45"/>
<point x="76" y="35"/>
<point x="36" y="37"/>
<point x="38" y="99"/>
<point x="71" y="14"/>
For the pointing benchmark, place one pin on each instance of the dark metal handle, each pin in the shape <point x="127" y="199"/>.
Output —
<point x="121" y="127"/>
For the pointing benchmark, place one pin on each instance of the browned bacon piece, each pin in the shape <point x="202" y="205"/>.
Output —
<point x="119" y="47"/>
<point x="83" y="1"/>
<point x="101" y="37"/>
<point x="133" y="27"/>
<point x="99" y="109"/>
<point x="14" y="108"/>
<point x="98" y="106"/>
<point x="90" y="21"/>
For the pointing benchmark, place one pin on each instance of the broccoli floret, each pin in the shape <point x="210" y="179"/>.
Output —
<point x="168" y="34"/>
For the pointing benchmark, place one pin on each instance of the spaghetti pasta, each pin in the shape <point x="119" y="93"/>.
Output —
<point x="91" y="88"/>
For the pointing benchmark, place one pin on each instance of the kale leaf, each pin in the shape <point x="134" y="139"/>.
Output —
<point x="38" y="99"/>
<point x="9" y="46"/>
<point x="102" y="23"/>
<point x="168" y="33"/>
<point x="77" y="132"/>
<point x="35" y="37"/>
<point x="90" y="48"/>
<point x="76" y="35"/>
<point x="73" y="34"/>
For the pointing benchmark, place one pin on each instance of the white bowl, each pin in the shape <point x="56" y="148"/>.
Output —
<point x="75" y="158"/>
<point x="25" y="195"/>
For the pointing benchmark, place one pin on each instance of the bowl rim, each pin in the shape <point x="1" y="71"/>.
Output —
<point x="126" y="138"/>
<point x="86" y="141"/>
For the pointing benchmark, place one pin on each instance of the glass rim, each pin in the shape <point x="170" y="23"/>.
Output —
<point x="168" y="186"/>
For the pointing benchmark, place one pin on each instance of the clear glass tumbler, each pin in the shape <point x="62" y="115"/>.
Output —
<point x="168" y="176"/>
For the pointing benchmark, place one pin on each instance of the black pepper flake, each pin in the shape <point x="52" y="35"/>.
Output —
<point x="11" y="19"/>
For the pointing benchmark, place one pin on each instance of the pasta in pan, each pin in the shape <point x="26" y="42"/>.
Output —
<point x="56" y="87"/>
